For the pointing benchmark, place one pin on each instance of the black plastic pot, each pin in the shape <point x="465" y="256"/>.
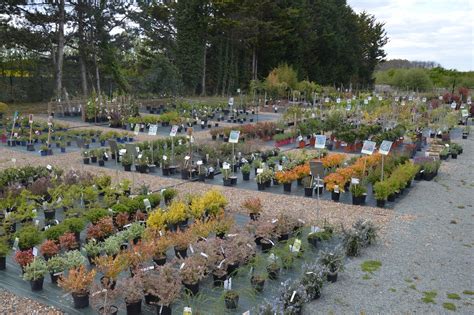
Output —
<point x="151" y="299"/>
<point x="134" y="308"/>
<point x="261" y="186"/>
<point x="37" y="285"/>
<point x="358" y="200"/>
<point x="391" y="198"/>
<point x="160" y="261"/>
<point x="86" y="160"/>
<point x="454" y="155"/>
<point x="287" y="187"/>
<point x="313" y="241"/>
<point x="80" y="301"/>
<point x="233" y="180"/>
<point x="227" y="181"/>
<point x="257" y="284"/>
<point x="283" y="237"/>
<point x="246" y="176"/>
<point x="193" y="289"/>
<point x="308" y="192"/>
<point x="202" y="177"/>
<point x="218" y="280"/>
<point x="112" y="311"/>
<point x="273" y="272"/>
<point x="30" y="147"/>
<point x="332" y="277"/>
<point x="50" y="214"/>
<point x="380" y="203"/>
<point x="231" y="302"/>
<point x="335" y="196"/>
<point x="55" y="277"/>
<point x="3" y="263"/>
<point x="127" y="168"/>
<point x="266" y="246"/>
<point x="184" y="174"/>
<point x="101" y="163"/>
<point x="165" y="171"/>
<point x="254" y="216"/>
<point x="163" y="310"/>
<point x="183" y="253"/>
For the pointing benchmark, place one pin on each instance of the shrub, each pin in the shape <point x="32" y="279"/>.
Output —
<point x="157" y="219"/>
<point x="78" y="280"/>
<point x="49" y="248"/>
<point x="74" y="259"/>
<point x="95" y="214"/>
<point x="177" y="212"/>
<point x="29" y="236"/>
<point x="24" y="257"/>
<point x="35" y="270"/>
<point x="74" y="225"/>
<point x="68" y="241"/>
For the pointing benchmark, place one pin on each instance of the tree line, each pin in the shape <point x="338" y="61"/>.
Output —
<point x="207" y="47"/>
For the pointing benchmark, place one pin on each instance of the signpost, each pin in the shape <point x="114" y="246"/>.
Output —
<point x="384" y="150"/>
<point x="173" y="132"/>
<point x="15" y="117"/>
<point x="368" y="148"/>
<point x="317" y="170"/>
<point x="50" y="124"/>
<point x="30" y="120"/>
<point x="234" y="138"/>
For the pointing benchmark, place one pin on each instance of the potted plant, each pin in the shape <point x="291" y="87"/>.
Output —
<point x="359" y="193"/>
<point x="443" y="155"/>
<point x="110" y="267"/>
<point x="92" y="250"/>
<point x="312" y="280"/>
<point x="169" y="194"/>
<point x="86" y="156"/>
<point x="333" y="261"/>
<point x="127" y="162"/>
<point x="308" y="186"/>
<point x="231" y="298"/>
<point x="226" y="176"/>
<point x="273" y="270"/>
<point x="192" y="270"/>
<point x="29" y="236"/>
<point x="68" y="242"/>
<point x="245" y="169"/>
<point x="254" y="207"/>
<point x="293" y="296"/>
<point x="315" y="237"/>
<point x="381" y="192"/>
<point x="132" y="291"/>
<point x="48" y="249"/>
<point x="181" y="241"/>
<point x="56" y="266"/>
<point x="73" y="259"/>
<point x="160" y="246"/>
<point x="102" y="300"/>
<point x="4" y="251"/>
<point x="258" y="282"/>
<point x="23" y="258"/>
<point x="34" y="272"/>
<point x="168" y="290"/>
<point x="177" y="215"/>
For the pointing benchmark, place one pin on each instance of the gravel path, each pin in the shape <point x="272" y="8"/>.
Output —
<point x="13" y="304"/>
<point x="429" y="246"/>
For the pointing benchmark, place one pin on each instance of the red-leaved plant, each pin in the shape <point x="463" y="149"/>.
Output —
<point x="24" y="257"/>
<point x="49" y="248"/>
<point x="68" y="241"/>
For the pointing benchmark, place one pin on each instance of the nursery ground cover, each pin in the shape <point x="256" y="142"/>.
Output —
<point x="428" y="247"/>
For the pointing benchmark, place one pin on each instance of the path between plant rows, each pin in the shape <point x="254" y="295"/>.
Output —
<point x="426" y="253"/>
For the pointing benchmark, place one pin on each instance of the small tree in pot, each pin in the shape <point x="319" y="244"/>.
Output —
<point x="4" y="251"/>
<point x="359" y="192"/>
<point x="34" y="272"/>
<point x="168" y="290"/>
<point x="333" y="261"/>
<point x="132" y="291"/>
<point x="92" y="249"/>
<point x="231" y="298"/>
<point x="48" y="249"/>
<point x="313" y="279"/>
<point x="254" y="207"/>
<point x="102" y="299"/>
<point x="245" y="169"/>
<point x="381" y="192"/>
<point x="293" y="296"/>
<point x="192" y="270"/>
<point x="78" y="283"/>
<point x="56" y="267"/>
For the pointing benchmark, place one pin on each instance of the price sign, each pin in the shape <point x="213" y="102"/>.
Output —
<point x="320" y="142"/>
<point x="385" y="147"/>
<point x="317" y="168"/>
<point x="369" y="147"/>
<point x="234" y="136"/>
<point x="464" y="113"/>
<point x="174" y="131"/>
<point x="153" y="130"/>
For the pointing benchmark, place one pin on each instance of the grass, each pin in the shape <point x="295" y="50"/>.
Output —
<point x="461" y="207"/>
<point x="429" y="296"/>
<point x="467" y="292"/>
<point x="370" y="265"/>
<point x="449" y="306"/>
<point x="366" y="277"/>
<point x="453" y="296"/>
<point x="408" y="280"/>
<point x="412" y="286"/>
<point x="392" y="290"/>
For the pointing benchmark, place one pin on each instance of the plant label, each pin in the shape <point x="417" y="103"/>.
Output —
<point x="30" y="119"/>
<point x="317" y="168"/>
<point x="188" y="311"/>
<point x="355" y="181"/>
<point x="246" y="313"/>
<point x="199" y="162"/>
<point x="49" y="167"/>
<point x="35" y="251"/>
<point x="37" y="222"/>
<point x="293" y="296"/>
<point x="204" y="255"/>
<point x="326" y="100"/>
<point x="15" y="243"/>
<point x="423" y="99"/>
<point x="380" y="98"/>
<point x="136" y="130"/>
<point x="453" y="105"/>
<point x="369" y="98"/>
<point x="234" y="136"/>
<point x="153" y="130"/>
<point x="165" y="157"/>
<point x="191" y="248"/>
<point x="338" y="100"/>
<point x="296" y="246"/>
<point x="147" y="204"/>
<point x="369" y="147"/>
<point x="366" y="102"/>
<point x="259" y="170"/>
<point x="174" y="131"/>
<point x="348" y="107"/>
<point x="182" y="266"/>
<point x="320" y="142"/>
<point x="231" y="101"/>
<point x="385" y="147"/>
<point x="220" y="264"/>
<point x="228" y="284"/>
<point x="464" y="113"/>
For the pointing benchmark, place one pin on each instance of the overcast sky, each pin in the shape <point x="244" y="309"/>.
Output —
<point x="436" y="30"/>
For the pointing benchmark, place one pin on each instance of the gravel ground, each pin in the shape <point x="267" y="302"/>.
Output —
<point x="428" y="246"/>
<point x="13" y="304"/>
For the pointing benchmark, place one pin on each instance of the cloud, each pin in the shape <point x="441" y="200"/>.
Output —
<point x="436" y="30"/>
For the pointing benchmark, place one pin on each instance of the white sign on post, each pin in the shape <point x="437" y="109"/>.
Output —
<point x="464" y="113"/>
<point x="369" y="147"/>
<point x="320" y="142"/>
<point x="174" y="131"/>
<point x="231" y="101"/>
<point x="385" y="147"/>
<point x="153" y="130"/>
<point x="234" y="136"/>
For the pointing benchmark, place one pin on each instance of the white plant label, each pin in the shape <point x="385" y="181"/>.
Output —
<point x="320" y="142"/>
<point x="293" y="296"/>
<point x="147" y="204"/>
<point x="355" y="181"/>
<point x="204" y="255"/>
<point x="228" y="284"/>
<point x="191" y="248"/>
<point x="153" y="131"/>
<point x="188" y="311"/>
<point x="35" y="251"/>
<point x="182" y="266"/>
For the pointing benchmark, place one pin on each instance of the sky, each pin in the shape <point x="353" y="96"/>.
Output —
<point x="424" y="30"/>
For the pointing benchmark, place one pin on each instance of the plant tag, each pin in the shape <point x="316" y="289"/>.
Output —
<point x="49" y="167"/>
<point x="246" y="313"/>
<point x="199" y="162"/>
<point x="293" y="296"/>
<point x="280" y="167"/>
<point x="204" y="255"/>
<point x="110" y="210"/>
<point x="99" y="292"/>
<point x="232" y="235"/>
<point x="165" y="157"/>
<point x="220" y="264"/>
<point x="14" y="160"/>
<point x="296" y="246"/>
<point x="259" y="170"/>
<point x="274" y="221"/>
<point x="272" y="257"/>
<point x="35" y="251"/>
<point x="249" y="246"/>
<point x="301" y="221"/>
<point x="56" y="221"/>
<point x="187" y="157"/>
<point x="222" y="250"/>
<point x="58" y="273"/>
<point x="273" y="243"/>
<point x="191" y="248"/>
<point x="148" y="268"/>
<point x="106" y="155"/>
<point x="182" y="266"/>
<point x="37" y="222"/>
<point x="354" y="181"/>
<point x="15" y="243"/>
<point x="188" y="311"/>
<point x="147" y="203"/>
<point x="126" y="226"/>
<point x="228" y="284"/>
